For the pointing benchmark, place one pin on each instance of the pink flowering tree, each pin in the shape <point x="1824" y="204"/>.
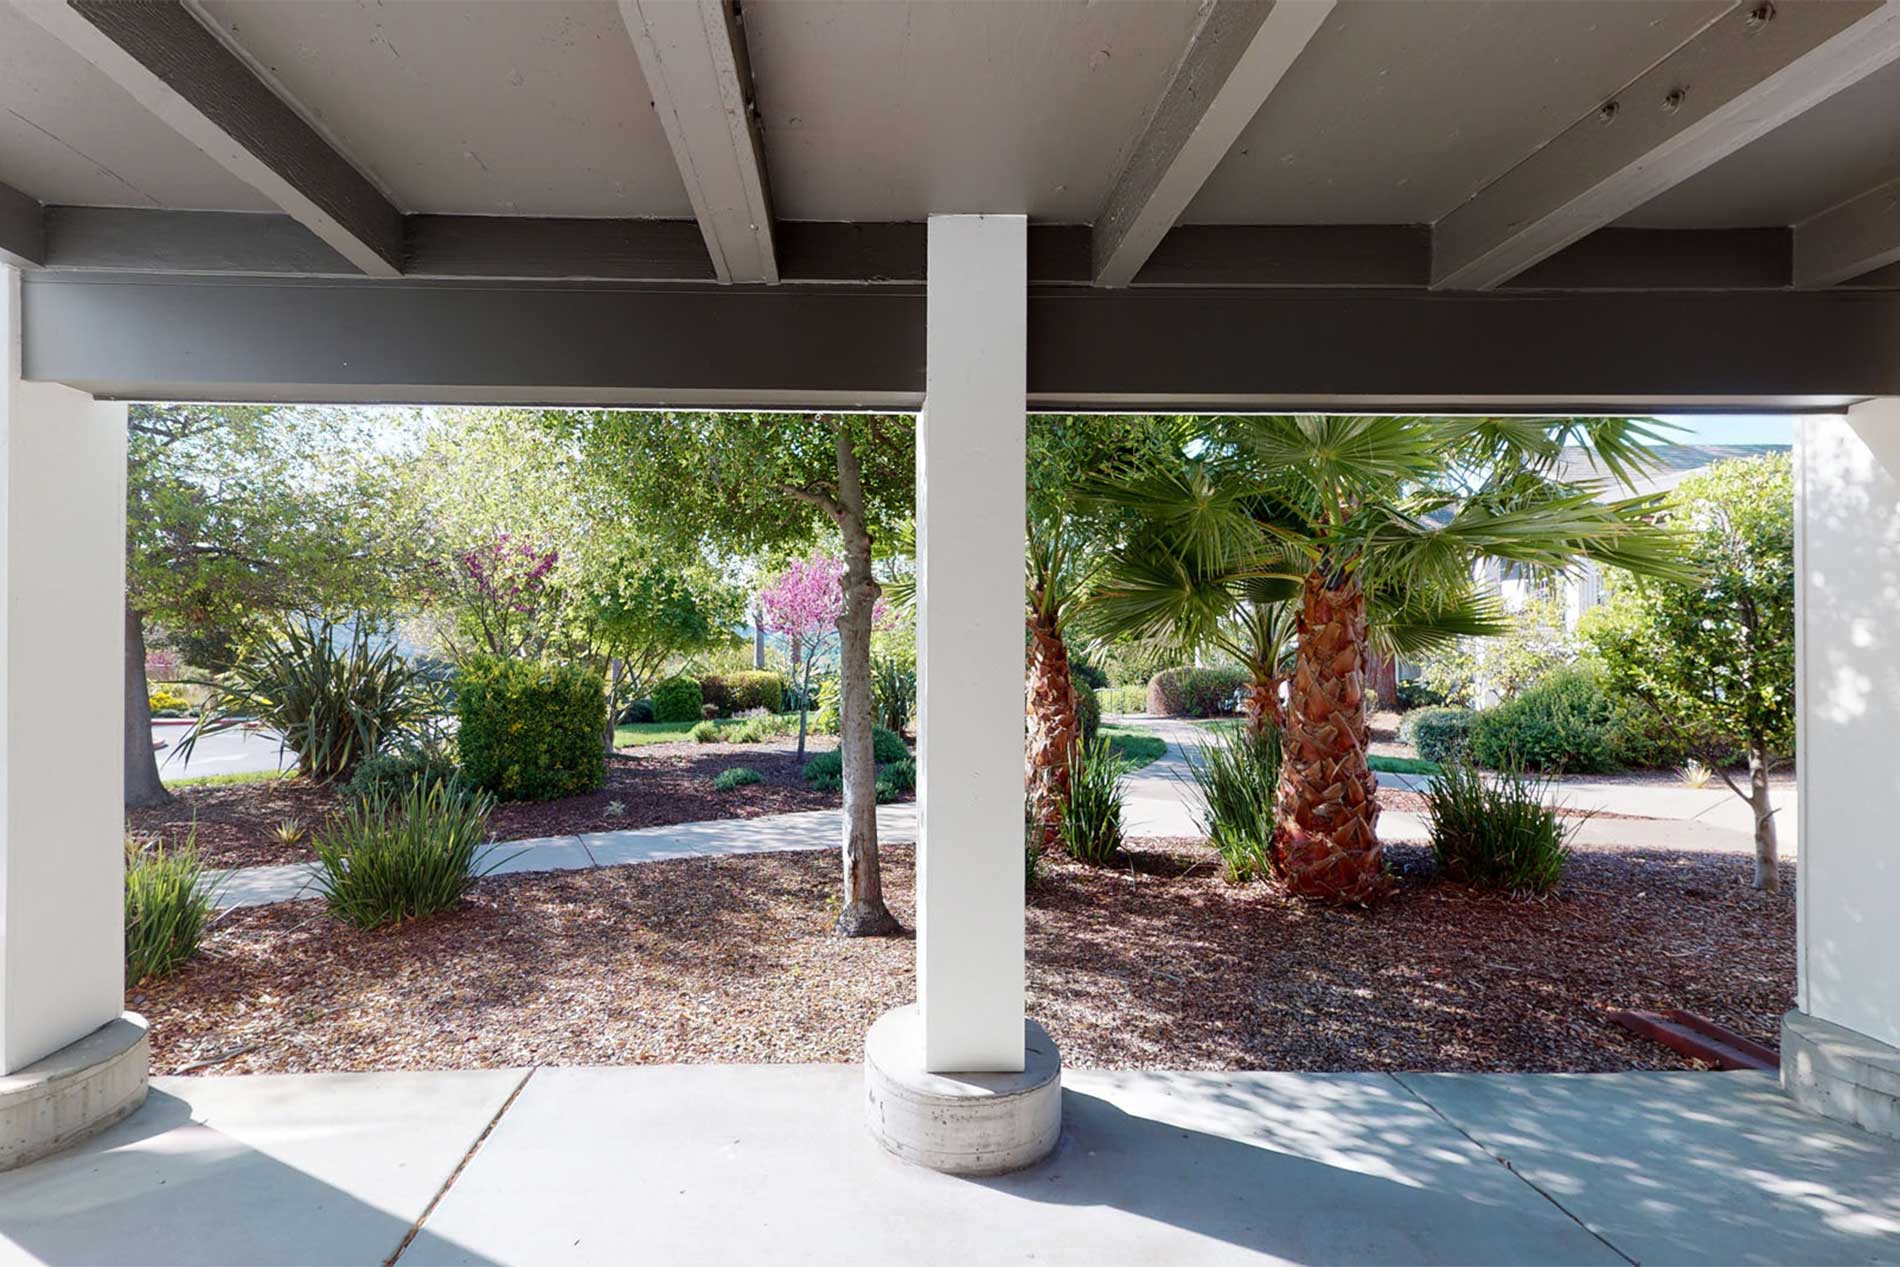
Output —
<point x="804" y="602"/>
<point x="508" y="604"/>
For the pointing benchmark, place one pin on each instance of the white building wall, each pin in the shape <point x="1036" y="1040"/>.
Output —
<point x="62" y="625"/>
<point x="1848" y="688"/>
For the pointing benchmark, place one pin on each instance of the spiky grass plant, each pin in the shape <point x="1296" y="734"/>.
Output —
<point x="167" y="906"/>
<point x="1496" y="831"/>
<point x="289" y="832"/>
<point x="1091" y="826"/>
<point x="1236" y="775"/>
<point x="402" y="857"/>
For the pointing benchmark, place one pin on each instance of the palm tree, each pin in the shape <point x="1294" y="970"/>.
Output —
<point x="1364" y="529"/>
<point x="1058" y="567"/>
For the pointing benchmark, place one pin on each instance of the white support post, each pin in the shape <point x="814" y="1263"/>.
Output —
<point x="970" y="505"/>
<point x="1841" y="1051"/>
<point x="62" y="625"/>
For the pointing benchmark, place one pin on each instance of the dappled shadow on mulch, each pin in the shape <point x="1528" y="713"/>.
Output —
<point x="652" y="786"/>
<point x="1156" y="963"/>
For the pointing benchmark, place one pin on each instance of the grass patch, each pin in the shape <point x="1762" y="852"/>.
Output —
<point x="1133" y="746"/>
<point x="638" y="734"/>
<point x="231" y="780"/>
<point x="1402" y="765"/>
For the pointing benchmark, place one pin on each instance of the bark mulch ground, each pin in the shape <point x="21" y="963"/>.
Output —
<point x="1153" y="963"/>
<point x="651" y="786"/>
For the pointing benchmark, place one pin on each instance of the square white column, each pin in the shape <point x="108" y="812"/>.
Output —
<point x="970" y="541"/>
<point x="62" y="629"/>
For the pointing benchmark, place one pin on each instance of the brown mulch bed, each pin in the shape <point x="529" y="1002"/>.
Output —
<point x="1155" y="963"/>
<point x="650" y="786"/>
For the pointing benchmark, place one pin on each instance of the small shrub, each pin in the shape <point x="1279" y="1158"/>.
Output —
<point x="384" y="861"/>
<point x="677" y="699"/>
<point x="704" y="732"/>
<point x="887" y="745"/>
<point x="1123" y="699"/>
<point x="1091" y="828"/>
<point x="1440" y="734"/>
<point x="759" y="726"/>
<point x="166" y="702"/>
<point x="531" y="732"/>
<point x="1696" y="774"/>
<point x="830" y="706"/>
<point x="901" y="773"/>
<point x="737" y="692"/>
<point x="737" y="777"/>
<point x="1237" y="775"/>
<point x="638" y="713"/>
<point x="1565" y="723"/>
<point x="1495" y="832"/>
<point x="167" y="907"/>
<point x="1417" y="693"/>
<point x="1194" y="692"/>
<point x="289" y="832"/>
<point x="1088" y="710"/>
<point x="825" y="772"/>
<point x="390" y="773"/>
<point x="893" y="691"/>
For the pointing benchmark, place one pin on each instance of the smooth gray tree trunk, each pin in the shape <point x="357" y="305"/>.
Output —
<point x="758" y="638"/>
<point x="1767" y="872"/>
<point x="614" y="670"/>
<point x="142" y="785"/>
<point x="864" y="913"/>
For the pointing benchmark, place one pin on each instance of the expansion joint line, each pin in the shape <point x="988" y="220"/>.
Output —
<point x="460" y="1166"/>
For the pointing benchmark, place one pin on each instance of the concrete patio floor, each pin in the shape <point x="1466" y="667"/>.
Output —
<point x="714" y="1164"/>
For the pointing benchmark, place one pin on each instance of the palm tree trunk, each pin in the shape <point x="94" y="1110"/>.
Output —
<point x="1260" y="701"/>
<point x="1053" y="728"/>
<point x="1328" y="805"/>
<point x="864" y="913"/>
<point x="142" y="785"/>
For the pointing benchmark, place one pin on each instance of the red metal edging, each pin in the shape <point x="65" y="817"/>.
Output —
<point x="1700" y="1038"/>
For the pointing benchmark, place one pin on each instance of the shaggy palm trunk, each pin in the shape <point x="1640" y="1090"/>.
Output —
<point x="1053" y="728"/>
<point x="1328" y="806"/>
<point x="864" y="913"/>
<point x="1260" y="702"/>
<point x="1767" y="867"/>
<point x="142" y="785"/>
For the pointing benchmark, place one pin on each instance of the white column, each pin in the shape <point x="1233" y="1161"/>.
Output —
<point x="970" y="505"/>
<point x="62" y="625"/>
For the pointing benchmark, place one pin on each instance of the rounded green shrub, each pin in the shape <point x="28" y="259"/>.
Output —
<point x="392" y="772"/>
<point x="530" y="732"/>
<point x="737" y="777"/>
<point x="1564" y="723"/>
<point x="887" y="745"/>
<point x="739" y="692"/>
<point x="902" y="774"/>
<point x="826" y="772"/>
<point x="1440" y="734"/>
<point x="677" y="699"/>
<point x="1194" y="692"/>
<point x="705" y="732"/>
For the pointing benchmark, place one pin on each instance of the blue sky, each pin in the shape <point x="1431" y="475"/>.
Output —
<point x="1732" y="429"/>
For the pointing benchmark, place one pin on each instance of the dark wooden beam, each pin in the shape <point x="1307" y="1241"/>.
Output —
<point x="1851" y="240"/>
<point x="22" y="229"/>
<point x="533" y="248"/>
<point x="1753" y="68"/>
<point x="1236" y="57"/>
<point x="134" y="240"/>
<point x="159" y="53"/>
<point x="698" y="74"/>
<point x="1667" y="259"/>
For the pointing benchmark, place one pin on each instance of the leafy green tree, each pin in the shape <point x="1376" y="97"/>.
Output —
<point x="757" y="483"/>
<point x="1713" y="655"/>
<point x="237" y="516"/>
<point x="1364" y="524"/>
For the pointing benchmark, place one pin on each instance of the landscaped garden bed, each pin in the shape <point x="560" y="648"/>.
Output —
<point x="1155" y="962"/>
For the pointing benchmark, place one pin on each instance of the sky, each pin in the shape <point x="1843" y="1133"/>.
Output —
<point x="1731" y="429"/>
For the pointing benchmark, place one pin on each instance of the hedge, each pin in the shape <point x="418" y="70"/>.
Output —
<point x="678" y="699"/>
<point x="1194" y="692"/>
<point x="530" y="732"/>
<point x="1564" y="723"/>
<point x="1440" y="734"/>
<point x="736" y="692"/>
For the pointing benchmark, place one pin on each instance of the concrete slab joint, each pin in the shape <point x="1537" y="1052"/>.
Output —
<point x="79" y="1090"/>
<point x="1841" y="1074"/>
<point x="960" y="1123"/>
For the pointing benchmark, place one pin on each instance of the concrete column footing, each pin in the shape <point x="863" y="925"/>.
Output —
<point x="76" y="1092"/>
<point x="1841" y="1074"/>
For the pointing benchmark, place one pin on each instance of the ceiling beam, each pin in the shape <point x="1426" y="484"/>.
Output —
<point x="160" y="53"/>
<point x="1750" y="70"/>
<point x="1848" y="241"/>
<point x="1237" y="55"/>
<point x="693" y="55"/>
<point x="22" y="229"/>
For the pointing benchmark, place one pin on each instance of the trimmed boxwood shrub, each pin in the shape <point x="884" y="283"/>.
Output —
<point x="1194" y="692"/>
<point x="531" y="732"/>
<point x="391" y="772"/>
<point x="1439" y="734"/>
<point x="887" y="746"/>
<point x="736" y="692"/>
<point x="1564" y="723"/>
<point x="678" y="699"/>
<point x="1088" y="711"/>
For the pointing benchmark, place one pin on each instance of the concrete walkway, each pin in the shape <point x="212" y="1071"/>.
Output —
<point x="772" y="1164"/>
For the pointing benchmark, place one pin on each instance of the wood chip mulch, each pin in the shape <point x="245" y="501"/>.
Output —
<point x="1156" y="963"/>
<point x="652" y="786"/>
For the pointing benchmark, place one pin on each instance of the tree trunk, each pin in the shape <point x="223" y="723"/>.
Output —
<point x="1328" y="806"/>
<point x="758" y="637"/>
<point x="864" y="913"/>
<point x="142" y="785"/>
<point x="1260" y="702"/>
<point x="1053" y="728"/>
<point x="1767" y="868"/>
<point x="1382" y="678"/>
<point x="804" y="697"/>
<point x="614" y="669"/>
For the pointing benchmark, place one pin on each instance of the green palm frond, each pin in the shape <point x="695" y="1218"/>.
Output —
<point x="1408" y="624"/>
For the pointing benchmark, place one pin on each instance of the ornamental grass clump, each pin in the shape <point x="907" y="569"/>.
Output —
<point x="1496" y="832"/>
<point x="1236" y="775"/>
<point x="167" y="906"/>
<point x="402" y="857"/>
<point x="1091" y="827"/>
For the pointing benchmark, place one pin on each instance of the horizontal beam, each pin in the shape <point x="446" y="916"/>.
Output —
<point x="1749" y="71"/>
<point x="785" y="347"/>
<point x="1237" y="55"/>
<point x="22" y="229"/>
<point x="170" y="63"/>
<point x="1851" y="240"/>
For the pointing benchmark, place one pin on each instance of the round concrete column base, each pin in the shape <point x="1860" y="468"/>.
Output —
<point x="960" y="1123"/>
<point x="77" y="1091"/>
<point x="1841" y="1074"/>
